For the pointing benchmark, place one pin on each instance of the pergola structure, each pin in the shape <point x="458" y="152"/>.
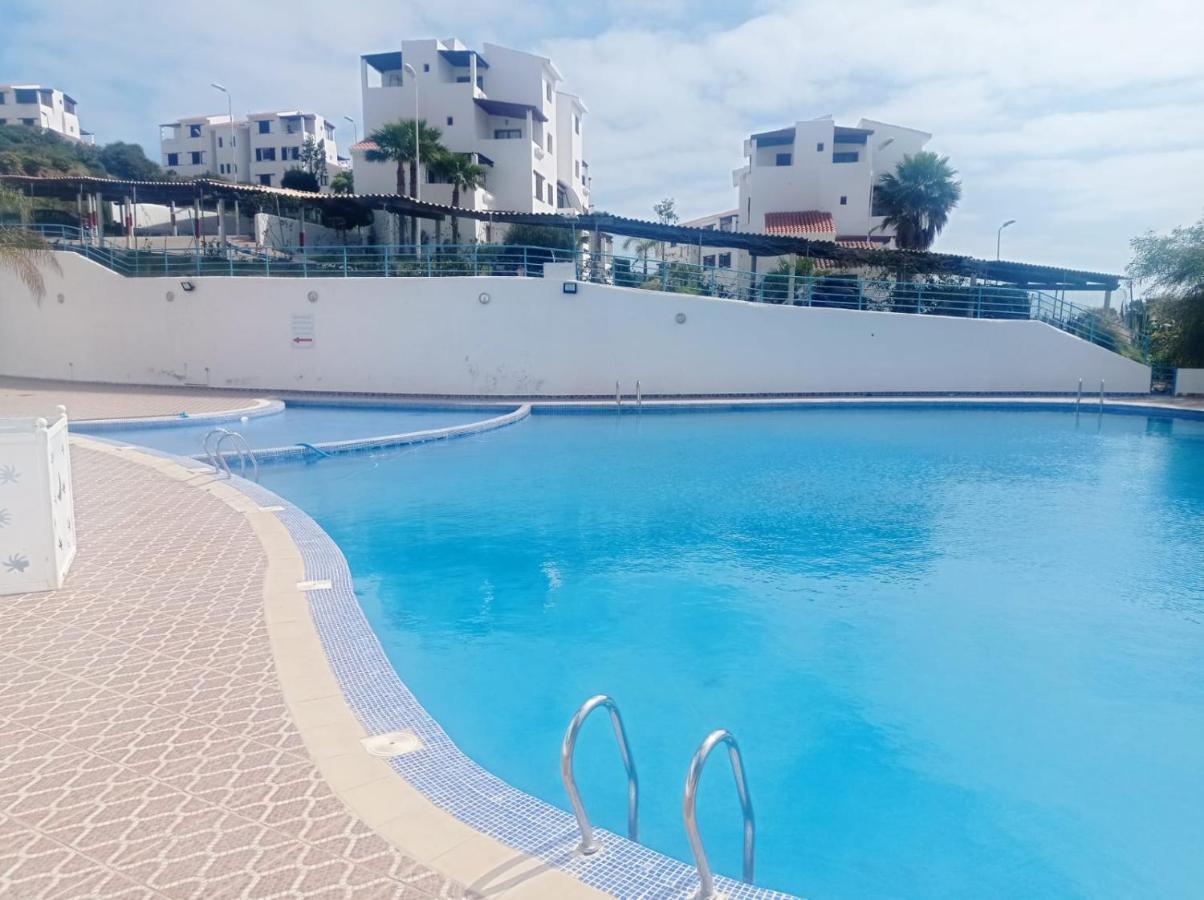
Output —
<point x="206" y="193"/>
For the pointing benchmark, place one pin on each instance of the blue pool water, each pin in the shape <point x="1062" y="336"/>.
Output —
<point x="963" y="650"/>
<point x="296" y="424"/>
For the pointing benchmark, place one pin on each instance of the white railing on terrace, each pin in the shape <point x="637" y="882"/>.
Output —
<point x="950" y="297"/>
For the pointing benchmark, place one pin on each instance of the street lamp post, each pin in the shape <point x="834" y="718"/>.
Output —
<point x="999" y="236"/>
<point x="355" y="130"/>
<point x="417" y="157"/>
<point x="230" y="116"/>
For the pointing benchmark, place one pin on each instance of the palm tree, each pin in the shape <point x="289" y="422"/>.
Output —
<point x="394" y="143"/>
<point x="458" y="170"/>
<point x="22" y="251"/>
<point x="917" y="198"/>
<point x="642" y="249"/>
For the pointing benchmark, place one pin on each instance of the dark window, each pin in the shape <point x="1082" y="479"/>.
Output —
<point x="503" y="134"/>
<point x="426" y="67"/>
<point x="29" y="121"/>
<point x="265" y="126"/>
<point x="265" y="154"/>
<point x="481" y="82"/>
<point x="69" y="105"/>
<point x="549" y="193"/>
<point x="725" y="260"/>
<point x="708" y="260"/>
<point x="173" y="159"/>
<point x="577" y="124"/>
<point x="548" y="91"/>
<point x="538" y="186"/>
<point x="845" y="157"/>
<point x="819" y="148"/>
<point x="451" y="120"/>
<point x="549" y="143"/>
<point x="844" y="201"/>
<point x="198" y="158"/>
<point x="25" y="96"/>
<point x="194" y="131"/>
<point x="463" y="79"/>
<point x="782" y="159"/>
<point x="219" y="142"/>
<point x="265" y="179"/>
<point x="1" y="98"/>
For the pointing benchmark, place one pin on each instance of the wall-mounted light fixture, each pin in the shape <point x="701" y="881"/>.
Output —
<point x="188" y="286"/>
<point x="569" y="287"/>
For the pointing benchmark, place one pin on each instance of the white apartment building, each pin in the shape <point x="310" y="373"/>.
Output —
<point x="505" y="108"/>
<point x="256" y="150"/>
<point x="37" y="106"/>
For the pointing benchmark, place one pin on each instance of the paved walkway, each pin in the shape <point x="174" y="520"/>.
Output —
<point x="27" y="397"/>
<point x="147" y="750"/>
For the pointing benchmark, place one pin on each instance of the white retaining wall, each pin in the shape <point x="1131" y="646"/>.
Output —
<point x="435" y="336"/>
<point x="1189" y="381"/>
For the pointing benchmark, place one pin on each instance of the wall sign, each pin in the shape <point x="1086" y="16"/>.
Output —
<point x="302" y="337"/>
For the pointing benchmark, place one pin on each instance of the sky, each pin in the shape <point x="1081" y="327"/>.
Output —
<point x="1083" y="121"/>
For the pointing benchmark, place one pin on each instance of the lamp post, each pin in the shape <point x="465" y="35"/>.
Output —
<point x="355" y="130"/>
<point x="230" y="116"/>
<point x="999" y="236"/>
<point x="417" y="157"/>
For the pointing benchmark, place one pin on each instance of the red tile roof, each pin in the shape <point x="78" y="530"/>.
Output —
<point x="797" y="224"/>
<point x="856" y="244"/>
<point x="365" y="144"/>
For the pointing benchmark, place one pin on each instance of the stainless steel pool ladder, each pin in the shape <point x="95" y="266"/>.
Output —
<point x="588" y="845"/>
<point x="706" y="887"/>
<point x="213" y="454"/>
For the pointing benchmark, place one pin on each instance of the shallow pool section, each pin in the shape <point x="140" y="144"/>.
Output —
<point x="296" y="424"/>
<point x="963" y="650"/>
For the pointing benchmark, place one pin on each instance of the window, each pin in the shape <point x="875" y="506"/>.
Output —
<point x="265" y="179"/>
<point x="782" y="159"/>
<point x="197" y="158"/>
<point x="25" y="96"/>
<point x="576" y="124"/>
<point x="819" y="148"/>
<point x="2" y="98"/>
<point x="194" y="131"/>
<point x="708" y="260"/>
<point x="3" y="121"/>
<point x="265" y="126"/>
<point x="451" y="120"/>
<point x="505" y="134"/>
<point x="549" y="193"/>
<point x="577" y="168"/>
<point x="725" y="260"/>
<point x="538" y="186"/>
<point x="265" y="154"/>
<point x="844" y="201"/>
<point x="219" y="142"/>
<point x="29" y="122"/>
<point x="549" y="143"/>
<point x="463" y="79"/>
<point x="547" y="89"/>
<point x="849" y="156"/>
<point x="426" y="67"/>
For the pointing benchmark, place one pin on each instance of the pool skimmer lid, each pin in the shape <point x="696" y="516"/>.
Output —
<point x="392" y="743"/>
<point x="322" y="584"/>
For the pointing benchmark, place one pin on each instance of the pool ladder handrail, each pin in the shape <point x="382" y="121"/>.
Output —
<point x="588" y="844"/>
<point x="218" y="460"/>
<point x="706" y="887"/>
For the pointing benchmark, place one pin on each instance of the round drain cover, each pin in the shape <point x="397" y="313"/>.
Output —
<point x="394" y="743"/>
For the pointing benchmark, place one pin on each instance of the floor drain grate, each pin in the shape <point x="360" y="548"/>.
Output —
<point x="393" y="743"/>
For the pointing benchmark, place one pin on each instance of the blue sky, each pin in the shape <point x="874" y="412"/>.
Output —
<point x="1084" y="121"/>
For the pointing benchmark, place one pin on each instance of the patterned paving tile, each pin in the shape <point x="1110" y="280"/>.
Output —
<point x="147" y="749"/>
<point x="31" y="397"/>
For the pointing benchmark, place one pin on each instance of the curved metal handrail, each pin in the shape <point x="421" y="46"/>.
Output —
<point x="244" y="452"/>
<point x="209" y="455"/>
<point x="706" y="887"/>
<point x="588" y="845"/>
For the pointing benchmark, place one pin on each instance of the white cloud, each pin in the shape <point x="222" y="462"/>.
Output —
<point x="1083" y="120"/>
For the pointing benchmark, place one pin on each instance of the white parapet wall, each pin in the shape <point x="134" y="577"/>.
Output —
<point x="1189" y="382"/>
<point x="497" y="336"/>
<point x="37" y="515"/>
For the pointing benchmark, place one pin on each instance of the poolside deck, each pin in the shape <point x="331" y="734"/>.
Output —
<point x="148" y="750"/>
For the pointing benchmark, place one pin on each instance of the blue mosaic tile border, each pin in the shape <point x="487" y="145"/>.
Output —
<point x="268" y="408"/>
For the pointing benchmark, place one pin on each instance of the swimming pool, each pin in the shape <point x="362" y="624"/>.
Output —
<point x="296" y="423"/>
<point x="962" y="649"/>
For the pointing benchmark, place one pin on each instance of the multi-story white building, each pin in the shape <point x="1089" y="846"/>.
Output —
<point x="36" y="106"/>
<point x="257" y="150"/>
<point x="504" y="107"/>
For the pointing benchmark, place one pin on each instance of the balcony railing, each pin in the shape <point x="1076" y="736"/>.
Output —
<point x="831" y="291"/>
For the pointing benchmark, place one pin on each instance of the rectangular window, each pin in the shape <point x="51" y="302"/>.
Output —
<point x="173" y="159"/>
<point x="451" y="120"/>
<point x="576" y="124"/>
<point x="25" y="96"/>
<point x="1" y="98"/>
<point x="819" y="148"/>
<point x="29" y="121"/>
<point x="426" y="67"/>
<point x="265" y="126"/>
<point x="197" y="157"/>
<point x="538" y="186"/>
<point x="219" y="142"/>
<point x="844" y="201"/>
<point x="265" y="179"/>
<point x="725" y="260"/>
<point x="549" y="193"/>
<point x="782" y="159"/>
<point x="708" y="260"/>
<point x="506" y="134"/>
<point x="547" y="89"/>
<point x="463" y="79"/>
<point x="194" y="131"/>
<point x="549" y="143"/>
<point x="577" y="168"/>
<point x="265" y="154"/>
<point x="845" y="157"/>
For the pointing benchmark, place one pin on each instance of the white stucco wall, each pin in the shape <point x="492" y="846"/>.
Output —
<point x="1189" y="381"/>
<point x="434" y="336"/>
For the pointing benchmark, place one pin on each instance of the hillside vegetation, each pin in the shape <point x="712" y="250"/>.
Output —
<point x="31" y="151"/>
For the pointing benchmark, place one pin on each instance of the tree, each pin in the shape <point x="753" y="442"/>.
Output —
<point x="23" y="252"/>
<point x="551" y="244"/>
<point x="643" y="247"/>
<point x="666" y="214"/>
<point x="776" y="285"/>
<point x="300" y="180"/>
<point x="916" y="199"/>
<point x="394" y="143"/>
<point x="458" y="170"/>
<point x="122" y="160"/>
<point x="313" y="158"/>
<point x="343" y="182"/>
<point x="1174" y="265"/>
<point x="343" y="215"/>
